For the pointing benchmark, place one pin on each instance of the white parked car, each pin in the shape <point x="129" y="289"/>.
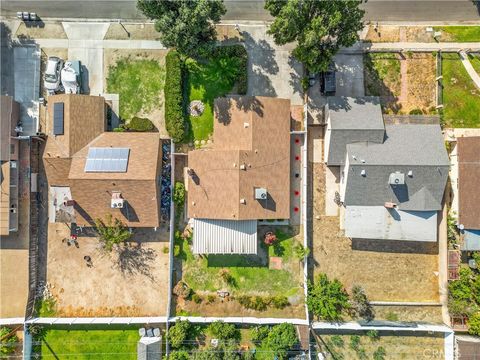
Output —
<point x="72" y="77"/>
<point x="52" y="75"/>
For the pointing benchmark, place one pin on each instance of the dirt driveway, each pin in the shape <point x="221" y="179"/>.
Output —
<point x="131" y="283"/>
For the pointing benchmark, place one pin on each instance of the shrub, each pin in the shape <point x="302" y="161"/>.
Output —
<point x="327" y="299"/>
<point x="259" y="333"/>
<point x="140" y="125"/>
<point x="196" y="299"/>
<point x="223" y="331"/>
<point x="474" y="324"/>
<point x="337" y="340"/>
<point x="179" y="355"/>
<point x="119" y="129"/>
<point x="179" y="194"/>
<point x="112" y="231"/>
<point x="166" y="250"/>
<point x="280" y="339"/>
<point x="279" y="301"/>
<point x="177" y="250"/>
<point x="179" y="333"/>
<point x="379" y="354"/>
<point x="227" y="277"/>
<point x="360" y="304"/>
<point x="211" y="298"/>
<point x="182" y="290"/>
<point x="391" y="316"/>
<point x="300" y="251"/>
<point x="373" y="335"/>
<point x="452" y="230"/>
<point x="7" y="345"/>
<point x="416" y="112"/>
<point x="252" y="302"/>
<point x="174" y="109"/>
<point x="239" y="52"/>
<point x="355" y="342"/>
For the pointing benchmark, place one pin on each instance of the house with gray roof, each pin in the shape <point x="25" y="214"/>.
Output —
<point x="350" y="120"/>
<point x="392" y="177"/>
<point x="394" y="190"/>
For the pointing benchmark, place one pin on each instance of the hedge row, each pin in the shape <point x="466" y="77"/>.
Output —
<point x="174" y="112"/>
<point x="239" y="52"/>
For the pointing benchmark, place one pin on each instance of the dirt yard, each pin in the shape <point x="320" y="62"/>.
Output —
<point x="133" y="282"/>
<point x="388" y="270"/>
<point x="384" y="33"/>
<point x="421" y="69"/>
<point x="430" y="314"/>
<point x="47" y="31"/>
<point x="131" y="32"/>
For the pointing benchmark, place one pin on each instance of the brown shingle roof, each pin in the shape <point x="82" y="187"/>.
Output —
<point x="84" y="120"/>
<point x="468" y="175"/>
<point x="65" y="166"/>
<point x="250" y="131"/>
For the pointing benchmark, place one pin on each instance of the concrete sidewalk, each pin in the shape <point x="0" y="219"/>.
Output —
<point x="100" y="44"/>
<point x="361" y="47"/>
<point x="470" y="70"/>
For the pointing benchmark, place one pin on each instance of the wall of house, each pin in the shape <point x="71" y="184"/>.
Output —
<point x="343" y="178"/>
<point x="327" y="136"/>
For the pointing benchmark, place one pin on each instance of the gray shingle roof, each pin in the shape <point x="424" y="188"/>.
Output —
<point x="416" y="148"/>
<point x="352" y="120"/>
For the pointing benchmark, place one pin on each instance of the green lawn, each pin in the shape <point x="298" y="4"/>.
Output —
<point x="461" y="98"/>
<point x="207" y="81"/>
<point x="250" y="272"/>
<point x="460" y="33"/>
<point x="475" y="61"/>
<point x="139" y="83"/>
<point x="90" y="344"/>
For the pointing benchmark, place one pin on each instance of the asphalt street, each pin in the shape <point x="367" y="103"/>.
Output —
<point x="393" y="10"/>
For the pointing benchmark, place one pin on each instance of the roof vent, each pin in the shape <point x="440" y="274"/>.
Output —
<point x="410" y="173"/>
<point x="243" y="201"/>
<point x="234" y="164"/>
<point x="396" y="178"/>
<point x="260" y="194"/>
<point x="390" y="205"/>
<point x="246" y="125"/>
<point x="354" y="157"/>
<point x="243" y="167"/>
<point x="117" y="200"/>
<point x="363" y="172"/>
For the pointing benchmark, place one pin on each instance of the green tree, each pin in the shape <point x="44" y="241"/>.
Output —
<point x="179" y="355"/>
<point x="178" y="334"/>
<point x="112" y="231"/>
<point x="223" y="331"/>
<point x="280" y="340"/>
<point x="7" y="344"/>
<point x="188" y="26"/>
<point x="474" y="324"/>
<point x="327" y="299"/>
<point x="179" y="194"/>
<point x="259" y="333"/>
<point x="319" y="28"/>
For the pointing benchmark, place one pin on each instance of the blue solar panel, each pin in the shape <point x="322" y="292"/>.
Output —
<point x="58" y="118"/>
<point x="107" y="159"/>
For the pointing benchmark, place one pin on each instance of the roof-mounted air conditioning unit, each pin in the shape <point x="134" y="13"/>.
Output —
<point x="396" y="178"/>
<point x="261" y="194"/>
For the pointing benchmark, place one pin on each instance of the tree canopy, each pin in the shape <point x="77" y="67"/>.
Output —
<point x="320" y="28"/>
<point x="280" y="340"/>
<point x="327" y="299"/>
<point x="112" y="231"/>
<point x="188" y="26"/>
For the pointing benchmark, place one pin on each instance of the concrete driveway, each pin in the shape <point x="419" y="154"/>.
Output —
<point x="349" y="75"/>
<point x="272" y="71"/>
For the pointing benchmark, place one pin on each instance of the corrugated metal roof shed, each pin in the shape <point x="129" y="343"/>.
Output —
<point x="211" y="236"/>
<point x="377" y="222"/>
<point x="471" y="240"/>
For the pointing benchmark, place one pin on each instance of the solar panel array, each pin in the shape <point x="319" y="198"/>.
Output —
<point x="107" y="159"/>
<point x="58" y="118"/>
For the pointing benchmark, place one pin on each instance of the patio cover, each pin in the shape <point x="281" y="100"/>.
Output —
<point x="471" y="240"/>
<point x="211" y="236"/>
<point x="377" y="222"/>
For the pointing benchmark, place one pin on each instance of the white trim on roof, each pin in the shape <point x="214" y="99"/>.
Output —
<point x="211" y="236"/>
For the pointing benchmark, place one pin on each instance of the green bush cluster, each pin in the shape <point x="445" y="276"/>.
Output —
<point x="223" y="331"/>
<point x="464" y="293"/>
<point x="7" y="345"/>
<point x="139" y="125"/>
<point x="260" y="303"/>
<point x="179" y="194"/>
<point x="239" y="52"/>
<point x="174" y="106"/>
<point x="326" y="299"/>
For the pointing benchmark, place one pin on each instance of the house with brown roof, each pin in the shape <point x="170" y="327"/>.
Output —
<point x="243" y="177"/>
<point x="9" y="144"/>
<point x="92" y="173"/>
<point x="468" y="150"/>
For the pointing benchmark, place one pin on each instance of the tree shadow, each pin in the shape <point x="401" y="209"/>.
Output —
<point x="375" y="84"/>
<point x="267" y="61"/>
<point x="136" y="260"/>
<point x="223" y="107"/>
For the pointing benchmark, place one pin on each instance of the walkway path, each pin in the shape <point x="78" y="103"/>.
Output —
<point x="470" y="70"/>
